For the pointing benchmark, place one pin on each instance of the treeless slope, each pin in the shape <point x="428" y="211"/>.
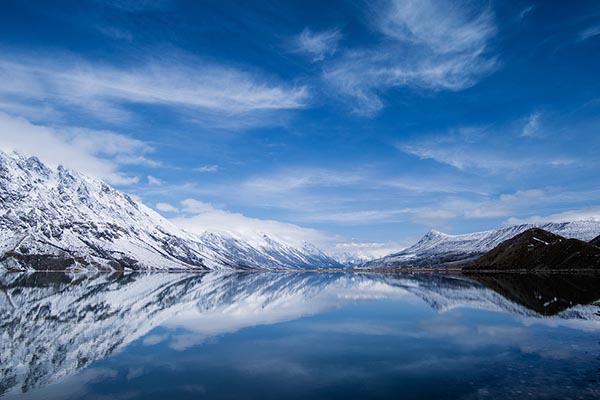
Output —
<point x="538" y="250"/>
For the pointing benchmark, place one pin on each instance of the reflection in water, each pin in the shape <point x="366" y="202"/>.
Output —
<point x="54" y="325"/>
<point x="547" y="294"/>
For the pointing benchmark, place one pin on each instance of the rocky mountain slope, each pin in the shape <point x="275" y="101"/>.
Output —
<point x="56" y="219"/>
<point x="539" y="250"/>
<point x="437" y="249"/>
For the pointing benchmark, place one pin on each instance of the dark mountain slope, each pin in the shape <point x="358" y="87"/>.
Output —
<point x="539" y="250"/>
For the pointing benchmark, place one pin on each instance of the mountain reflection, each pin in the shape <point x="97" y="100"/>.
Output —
<point x="547" y="294"/>
<point x="53" y="325"/>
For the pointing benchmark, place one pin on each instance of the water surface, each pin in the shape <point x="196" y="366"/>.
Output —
<point x="299" y="335"/>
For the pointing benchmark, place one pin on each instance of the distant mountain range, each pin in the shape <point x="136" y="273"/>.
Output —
<point x="56" y="219"/>
<point x="437" y="249"/>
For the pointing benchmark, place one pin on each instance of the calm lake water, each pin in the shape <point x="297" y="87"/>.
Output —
<point x="299" y="336"/>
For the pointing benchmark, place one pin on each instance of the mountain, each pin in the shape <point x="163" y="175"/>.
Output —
<point x="437" y="249"/>
<point x="596" y="241"/>
<point x="55" y="219"/>
<point x="537" y="249"/>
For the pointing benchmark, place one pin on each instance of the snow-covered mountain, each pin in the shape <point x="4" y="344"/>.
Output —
<point x="91" y="316"/>
<point x="62" y="219"/>
<point x="437" y="249"/>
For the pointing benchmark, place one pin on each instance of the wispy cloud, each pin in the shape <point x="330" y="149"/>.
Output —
<point x="583" y="214"/>
<point x="207" y="168"/>
<point x="484" y="150"/>
<point x="442" y="26"/>
<point x="432" y="45"/>
<point x="198" y="217"/>
<point x="524" y="12"/>
<point x="506" y="204"/>
<point x="360" y="217"/>
<point x="182" y="83"/>
<point x="96" y="153"/>
<point x="532" y="125"/>
<point x="317" y="45"/>
<point x="166" y="207"/>
<point x="154" y="181"/>
<point x="590" y="32"/>
<point x="297" y="178"/>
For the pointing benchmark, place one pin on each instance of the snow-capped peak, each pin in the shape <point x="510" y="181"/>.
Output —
<point x="440" y="249"/>
<point x="62" y="219"/>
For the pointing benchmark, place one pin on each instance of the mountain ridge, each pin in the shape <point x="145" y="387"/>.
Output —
<point x="538" y="250"/>
<point x="56" y="219"/>
<point x="437" y="249"/>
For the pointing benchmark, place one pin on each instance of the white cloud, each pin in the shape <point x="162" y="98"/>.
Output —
<point x="194" y="206"/>
<point x="506" y="204"/>
<point x="318" y="45"/>
<point x="459" y="155"/>
<point x="166" y="207"/>
<point x="183" y="83"/>
<point x="198" y="217"/>
<point x="207" y="168"/>
<point x="441" y="25"/>
<point x="95" y="153"/>
<point x="296" y="178"/>
<point x="422" y="215"/>
<point x="532" y="126"/>
<point x="584" y="214"/>
<point x="154" y="181"/>
<point x="360" y="217"/>
<point x="433" y="45"/>
<point x="590" y="32"/>
<point x="526" y="11"/>
<point x="366" y="250"/>
<point x="482" y="150"/>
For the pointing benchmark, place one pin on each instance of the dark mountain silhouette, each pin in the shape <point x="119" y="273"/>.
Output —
<point x="539" y="250"/>
<point x="596" y="241"/>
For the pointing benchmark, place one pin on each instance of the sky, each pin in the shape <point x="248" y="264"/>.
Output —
<point x="357" y="125"/>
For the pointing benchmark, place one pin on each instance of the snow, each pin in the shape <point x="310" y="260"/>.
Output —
<point x="65" y="214"/>
<point x="437" y="248"/>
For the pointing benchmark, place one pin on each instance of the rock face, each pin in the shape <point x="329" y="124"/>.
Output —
<point x="539" y="250"/>
<point x="437" y="249"/>
<point x="57" y="219"/>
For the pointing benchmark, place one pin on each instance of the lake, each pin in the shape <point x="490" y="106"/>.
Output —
<point x="264" y="335"/>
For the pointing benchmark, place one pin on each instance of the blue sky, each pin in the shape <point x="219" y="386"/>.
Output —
<point x="376" y="121"/>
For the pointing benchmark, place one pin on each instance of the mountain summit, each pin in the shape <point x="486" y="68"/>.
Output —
<point x="56" y="219"/>
<point x="437" y="249"/>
